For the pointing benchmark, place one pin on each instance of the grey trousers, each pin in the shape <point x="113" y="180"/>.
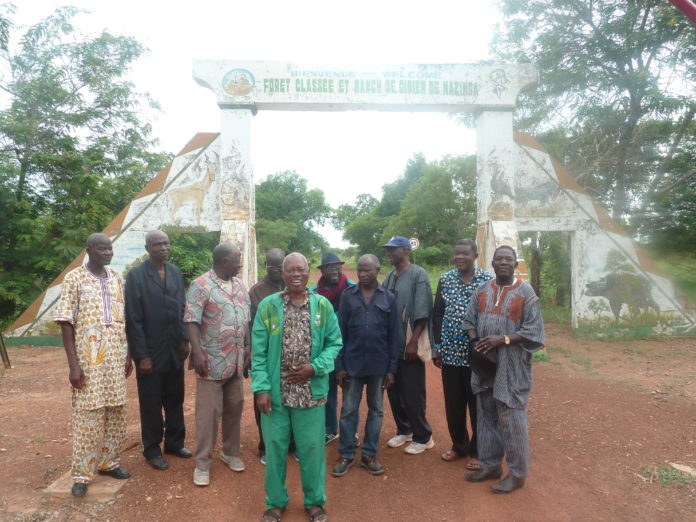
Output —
<point x="502" y="432"/>
<point x="217" y="400"/>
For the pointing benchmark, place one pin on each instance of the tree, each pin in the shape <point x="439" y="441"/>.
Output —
<point x="435" y="202"/>
<point x="286" y="214"/>
<point x="612" y="103"/>
<point x="73" y="147"/>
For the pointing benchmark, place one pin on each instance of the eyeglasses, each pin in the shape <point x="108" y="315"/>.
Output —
<point x="274" y="267"/>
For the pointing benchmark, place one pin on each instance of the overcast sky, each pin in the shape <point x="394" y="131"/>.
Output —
<point x="344" y="153"/>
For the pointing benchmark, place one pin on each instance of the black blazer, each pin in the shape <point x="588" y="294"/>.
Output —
<point x="154" y="314"/>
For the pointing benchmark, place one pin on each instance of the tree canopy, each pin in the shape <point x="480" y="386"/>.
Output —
<point x="435" y="202"/>
<point x="614" y="104"/>
<point x="287" y="213"/>
<point x="74" y="147"/>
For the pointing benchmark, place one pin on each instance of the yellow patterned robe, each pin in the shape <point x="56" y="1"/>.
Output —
<point x="94" y="306"/>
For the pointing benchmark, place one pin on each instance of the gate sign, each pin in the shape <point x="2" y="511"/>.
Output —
<point x="332" y="87"/>
<point x="414" y="243"/>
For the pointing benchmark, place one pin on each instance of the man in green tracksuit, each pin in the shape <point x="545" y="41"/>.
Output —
<point x="295" y="339"/>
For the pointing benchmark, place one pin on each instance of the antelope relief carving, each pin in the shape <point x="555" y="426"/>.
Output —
<point x="205" y="171"/>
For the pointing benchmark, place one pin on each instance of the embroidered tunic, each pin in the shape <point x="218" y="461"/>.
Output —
<point x="94" y="306"/>
<point x="507" y="310"/>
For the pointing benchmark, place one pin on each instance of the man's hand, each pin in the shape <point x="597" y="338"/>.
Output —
<point x="77" y="378"/>
<point x="388" y="381"/>
<point x="263" y="402"/>
<point x="411" y="352"/>
<point x="300" y="374"/>
<point x="184" y="350"/>
<point x="129" y="366"/>
<point x="145" y="366"/>
<point x="200" y="363"/>
<point x="341" y="377"/>
<point x="247" y="365"/>
<point x="437" y="361"/>
<point x="488" y="343"/>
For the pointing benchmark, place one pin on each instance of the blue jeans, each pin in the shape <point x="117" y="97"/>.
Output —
<point x="350" y="415"/>
<point x="332" y="405"/>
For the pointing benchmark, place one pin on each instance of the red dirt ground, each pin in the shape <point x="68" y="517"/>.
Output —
<point x="600" y="414"/>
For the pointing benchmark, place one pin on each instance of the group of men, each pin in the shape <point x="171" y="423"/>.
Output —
<point x="298" y="344"/>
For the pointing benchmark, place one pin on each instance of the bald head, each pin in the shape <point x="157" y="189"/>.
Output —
<point x="369" y="259"/>
<point x="224" y="251"/>
<point x="152" y="236"/>
<point x="368" y="268"/>
<point x="95" y="238"/>
<point x="274" y="264"/>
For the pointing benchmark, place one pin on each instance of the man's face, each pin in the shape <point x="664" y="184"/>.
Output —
<point x="232" y="265"/>
<point x="101" y="251"/>
<point x="296" y="274"/>
<point x="397" y="255"/>
<point x="464" y="257"/>
<point x="158" y="247"/>
<point x="274" y="269"/>
<point x="504" y="263"/>
<point x="332" y="273"/>
<point x="367" y="272"/>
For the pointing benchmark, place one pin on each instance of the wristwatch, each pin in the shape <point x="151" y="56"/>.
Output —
<point x="507" y="340"/>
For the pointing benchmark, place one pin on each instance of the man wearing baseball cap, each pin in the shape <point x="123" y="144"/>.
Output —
<point x="414" y="300"/>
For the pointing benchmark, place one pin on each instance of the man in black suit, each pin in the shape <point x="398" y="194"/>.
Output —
<point x="154" y="310"/>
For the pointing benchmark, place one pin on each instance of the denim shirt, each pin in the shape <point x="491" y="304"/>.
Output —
<point x="371" y="333"/>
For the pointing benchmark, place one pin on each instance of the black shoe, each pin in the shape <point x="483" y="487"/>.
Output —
<point x="117" y="473"/>
<point x="508" y="484"/>
<point x="158" y="462"/>
<point x="484" y="474"/>
<point x="372" y="465"/>
<point x="330" y="437"/>
<point x="342" y="466"/>
<point x="79" y="489"/>
<point x="182" y="453"/>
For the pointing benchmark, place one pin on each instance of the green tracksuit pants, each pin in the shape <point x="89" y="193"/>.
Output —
<point x="308" y="427"/>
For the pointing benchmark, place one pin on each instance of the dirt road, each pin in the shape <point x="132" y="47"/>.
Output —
<point x="600" y="415"/>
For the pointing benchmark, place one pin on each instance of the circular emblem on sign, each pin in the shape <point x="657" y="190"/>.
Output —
<point x="238" y="82"/>
<point x="414" y="243"/>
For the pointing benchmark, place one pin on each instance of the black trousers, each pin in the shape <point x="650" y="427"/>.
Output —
<point x="456" y="383"/>
<point x="156" y="392"/>
<point x="407" y="400"/>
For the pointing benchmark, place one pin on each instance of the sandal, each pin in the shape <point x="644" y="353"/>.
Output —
<point x="473" y="464"/>
<point x="317" y="514"/>
<point x="270" y="516"/>
<point x="450" y="456"/>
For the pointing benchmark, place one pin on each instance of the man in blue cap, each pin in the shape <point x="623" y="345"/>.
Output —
<point x="414" y="300"/>
<point x="331" y="285"/>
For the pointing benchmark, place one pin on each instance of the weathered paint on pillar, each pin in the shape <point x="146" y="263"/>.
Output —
<point x="237" y="214"/>
<point x="496" y="165"/>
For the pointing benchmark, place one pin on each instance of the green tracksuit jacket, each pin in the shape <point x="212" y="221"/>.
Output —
<point x="266" y="346"/>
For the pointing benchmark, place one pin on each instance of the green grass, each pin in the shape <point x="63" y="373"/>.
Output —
<point x="666" y="476"/>
<point x="581" y="361"/>
<point x="55" y="340"/>
<point x="615" y="333"/>
<point x="563" y="351"/>
<point x="541" y="356"/>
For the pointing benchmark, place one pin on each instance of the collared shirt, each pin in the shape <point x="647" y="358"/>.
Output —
<point x="261" y="290"/>
<point x="371" y="333"/>
<point x="297" y="350"/>
<point x="222" y="309"/>
<point x="451" y="301"/>
<point x="94" y="306"/>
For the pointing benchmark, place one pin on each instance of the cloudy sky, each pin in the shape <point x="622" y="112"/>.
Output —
<point x="343" y="154"/>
